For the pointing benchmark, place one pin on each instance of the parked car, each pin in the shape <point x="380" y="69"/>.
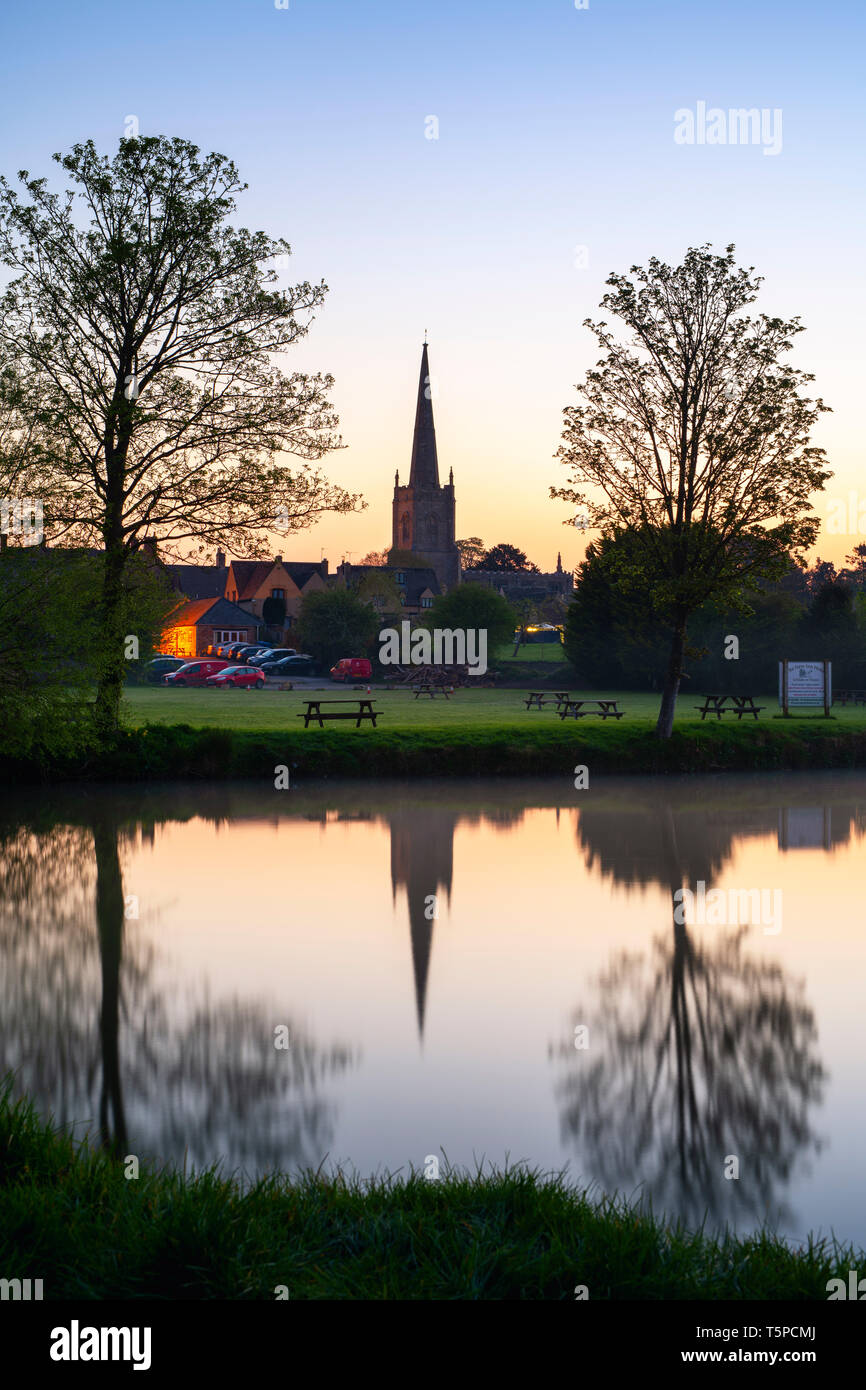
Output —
<point x="298" y="665"/>
<point x="242" y="677"/>
<point x="161" y="665"/>
<point x="194" y="672"/>
<point x="251" y="651"/>
<point x="275" y="654"/>
<point x="350" y="668"/>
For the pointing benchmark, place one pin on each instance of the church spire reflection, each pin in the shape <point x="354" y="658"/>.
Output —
<point x="422" y="863"/>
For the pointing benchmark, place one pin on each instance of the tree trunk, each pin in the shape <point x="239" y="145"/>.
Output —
<point x="110" y="916"/>
<point x="112" y="658"/>
<point x="673" y="675"/>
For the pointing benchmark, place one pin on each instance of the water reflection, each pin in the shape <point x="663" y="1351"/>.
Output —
<point x="703" y="1045"/>
<point x="697" y="1054"/>
<point x="699" y="1051"/>
<point x="200" y="1081"/>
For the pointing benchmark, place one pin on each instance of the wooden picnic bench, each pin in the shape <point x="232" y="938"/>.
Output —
<point x="432" y="688"/>
<point x="854" y="697"/>
<point x="575" y="709"/>
<point x="537" y="699"/>
<point x="739" y="705"/>
<point x="361" y="709"/>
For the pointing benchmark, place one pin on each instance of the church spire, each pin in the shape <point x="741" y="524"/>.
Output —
<point x="425" y="464"/>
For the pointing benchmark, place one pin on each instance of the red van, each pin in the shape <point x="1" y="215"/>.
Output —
<point x="195" y="672"/>
<point x="352" y="668"/>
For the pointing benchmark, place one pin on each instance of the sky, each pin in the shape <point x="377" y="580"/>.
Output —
<point x="477" y="169"/>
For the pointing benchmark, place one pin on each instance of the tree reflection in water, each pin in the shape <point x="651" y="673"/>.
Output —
<point x="697" y="1050"/>
<point x="95" y="1041"/>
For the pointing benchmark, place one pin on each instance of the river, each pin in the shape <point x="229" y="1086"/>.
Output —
<point x="388" y="975"/>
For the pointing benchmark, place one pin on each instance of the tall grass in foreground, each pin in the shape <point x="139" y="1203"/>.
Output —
<point x="68" y="1216"/>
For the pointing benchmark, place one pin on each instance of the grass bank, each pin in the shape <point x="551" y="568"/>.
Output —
<point x="539" y="748"/>
<point x="209" y="734"/>
<point x="70" y="1217"/>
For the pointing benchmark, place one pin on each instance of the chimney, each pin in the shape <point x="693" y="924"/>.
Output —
<point x="221" y="559"/>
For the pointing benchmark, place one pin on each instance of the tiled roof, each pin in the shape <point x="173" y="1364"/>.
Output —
<point x="303" y="571"/>
<point x="416" y="582"/>
<point x="198" y="581"/>
<point x="216" y="611"/>
<point x="250" y="575"/>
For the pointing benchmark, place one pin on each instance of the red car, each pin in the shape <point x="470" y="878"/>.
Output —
<point x="241" y="677"/>
<point x="194" y="672"/>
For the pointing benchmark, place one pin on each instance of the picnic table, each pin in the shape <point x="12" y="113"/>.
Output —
<point x="574" y="709"/>
<point x="432" y="688"/>
<point x="361" y="709"/>
<point x="739" y="705"/>
<point x="536" y="698"/>
<point x="854" y="697"/>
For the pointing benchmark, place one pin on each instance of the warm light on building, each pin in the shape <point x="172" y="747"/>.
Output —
<point x="178" y="641"/>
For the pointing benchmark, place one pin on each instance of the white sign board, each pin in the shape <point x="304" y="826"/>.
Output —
<point x="805" y="683"/>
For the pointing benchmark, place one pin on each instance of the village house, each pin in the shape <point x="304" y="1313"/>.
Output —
<point x="198" y="624"/>
<point x="416" y="587"/>
<point x="273" y="590"/>
<point x="268" y="591"/>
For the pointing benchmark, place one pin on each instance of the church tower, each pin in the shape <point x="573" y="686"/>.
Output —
<point x="423" y="516"/>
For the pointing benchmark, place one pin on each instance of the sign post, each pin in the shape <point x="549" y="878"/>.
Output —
<point x="804" y="684"/>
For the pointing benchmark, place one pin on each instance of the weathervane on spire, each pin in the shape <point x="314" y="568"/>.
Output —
<point x="425" y="337"/>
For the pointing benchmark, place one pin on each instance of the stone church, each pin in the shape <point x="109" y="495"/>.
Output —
<point x="423" y="515"/>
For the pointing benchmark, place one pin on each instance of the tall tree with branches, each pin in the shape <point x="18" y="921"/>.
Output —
<point x="151" y="326"/>
<point x="694" y="438"/>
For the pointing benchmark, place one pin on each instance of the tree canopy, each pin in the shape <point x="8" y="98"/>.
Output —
<point x="334" y="623"/>
<point x="148" y="328"/>
<point x="694" y="435"/>
<point x="473" y="606"/>
<point x="506" y="557"/>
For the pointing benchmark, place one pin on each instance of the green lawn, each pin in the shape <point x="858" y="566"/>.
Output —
<point x="260" y="710"/>
<point x="531" y="651"/>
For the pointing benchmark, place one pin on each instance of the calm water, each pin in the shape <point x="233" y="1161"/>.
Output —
<point x="429" y="952"/>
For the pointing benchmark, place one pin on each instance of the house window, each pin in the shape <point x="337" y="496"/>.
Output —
<point x="221" y="635"/>
<point x="402" y="595"/>
<point x="400" y="577"/>
<point x="427" y="601"/>
<point x="278" y="593"/>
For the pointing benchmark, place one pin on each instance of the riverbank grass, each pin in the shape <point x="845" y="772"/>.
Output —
<point x="70" y="1217"/>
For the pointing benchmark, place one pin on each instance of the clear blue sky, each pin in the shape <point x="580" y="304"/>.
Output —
<point x="555" y="132"/>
